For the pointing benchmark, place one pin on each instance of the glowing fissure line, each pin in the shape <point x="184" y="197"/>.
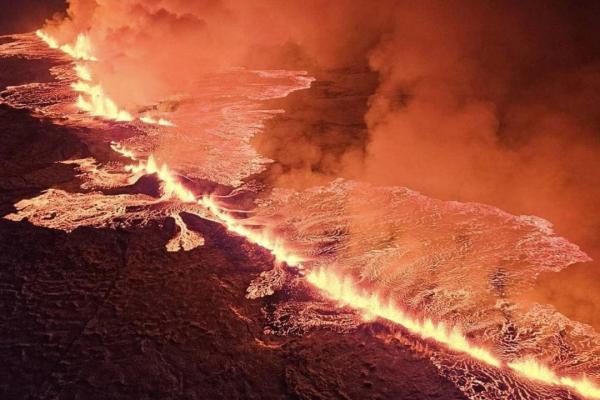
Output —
<point x="173" y="188"/>
<point x="51" y="42"/>
<point x="97" y="103"/>
<point x="342" y="290"/>
<point x="345" y="292"/>
<point x="83" y="72"/>
<point x="117" y="148"/>
<point x="532" y="369"/>
<point x="81" y="50"/>
<point x="92" y="98"/>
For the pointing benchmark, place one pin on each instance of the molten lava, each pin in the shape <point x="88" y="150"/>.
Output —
<point x="83" y="72"/>
<point x="534" y="370"/>
<point x="153" y="121"/>
<point x="92" y="99"/>
<point x="185" y="239"/>
<point x="118" y="148"/>
<point x="346" y="292"/>
<point x="171" y="187"/>
<point x="81" y="50"/>
<point x="50" y="41"/>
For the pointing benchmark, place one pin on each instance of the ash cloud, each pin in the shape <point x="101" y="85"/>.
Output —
<point x="494" y="102"/>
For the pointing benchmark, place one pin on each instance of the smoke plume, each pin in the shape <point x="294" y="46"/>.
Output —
<point x="494" y="102"/>
<point x="152" y="49"/>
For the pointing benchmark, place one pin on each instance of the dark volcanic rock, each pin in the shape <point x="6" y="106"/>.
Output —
<point x="104" y="314"/>
<point x="29" y="151"/>
<point x="18" y="71"/>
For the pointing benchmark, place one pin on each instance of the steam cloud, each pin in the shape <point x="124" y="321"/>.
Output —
<point x="494" y="102"/>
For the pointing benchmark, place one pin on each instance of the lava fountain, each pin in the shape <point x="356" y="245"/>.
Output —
<point x="92" y="98"/>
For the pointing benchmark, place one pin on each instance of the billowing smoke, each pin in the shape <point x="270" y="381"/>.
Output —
<point x="494" y="102"/>
<point x="487" y="102"/>
<point x="152" y="49"/>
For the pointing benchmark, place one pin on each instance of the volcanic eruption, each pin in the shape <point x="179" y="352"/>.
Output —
<point x="227" y="190"/>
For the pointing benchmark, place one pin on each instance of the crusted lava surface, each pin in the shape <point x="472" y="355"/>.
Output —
<point x="110" y="314"/>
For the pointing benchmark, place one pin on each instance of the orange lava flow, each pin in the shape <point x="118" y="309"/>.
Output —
<point x="97" y="103"/>
<point x="173" y="188"/>
<point x="345" y="292"/>
<point x="534" y="370"/>
<point x="50" y="41"/>
<point x="342" y="290"/>
<point x="263" y="238"/>
<point x="153" y="121"/>
<point x="81" y="50"/>
<point x="92" y="98"/>
<point x="83" y="72"/>
<point x="118" y="148"/>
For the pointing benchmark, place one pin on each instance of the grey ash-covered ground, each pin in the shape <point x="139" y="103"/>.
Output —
<point x="110" y="314"/>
